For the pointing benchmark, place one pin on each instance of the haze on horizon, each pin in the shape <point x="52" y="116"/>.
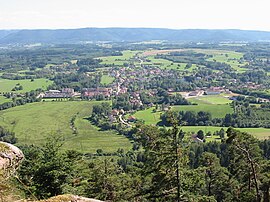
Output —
<point x="175" y="14"/>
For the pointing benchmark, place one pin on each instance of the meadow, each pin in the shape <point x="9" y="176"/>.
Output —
<point x="7" y="85"/>
<point x="4" y="99"/>
<point x="119" y="60"/>
<point x="33" y="123"/>
<point x="166" y="64"/>
<point x="260" y="133"/>
<point x="212" y="99"/>
<point x="106" y="79"/>
<point x="217" y="105"/>
<point x="229" y="57"/>
<point x="216" y="110"/>
<point x="149" y="116"/>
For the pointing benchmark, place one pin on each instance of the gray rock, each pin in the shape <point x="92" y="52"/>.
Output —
<point x="10" y="158"/>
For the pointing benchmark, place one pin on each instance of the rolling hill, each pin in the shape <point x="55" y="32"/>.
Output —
<point x="65" y="36"/>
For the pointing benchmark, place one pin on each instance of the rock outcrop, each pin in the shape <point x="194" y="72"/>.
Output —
<point x="65" y="198"/>
<point x="10" y="158"/>
<point x="70" y="198"/>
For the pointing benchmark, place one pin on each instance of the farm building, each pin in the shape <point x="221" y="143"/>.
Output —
<point x="93" y="92"/>
<point x="64" y="93"/>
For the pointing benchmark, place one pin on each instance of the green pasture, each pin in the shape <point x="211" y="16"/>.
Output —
<point x="212" y="99"/>
<point x="118" y="60"/>
<point x="217" y="105"/>
<point x="229" y="57"/>
<point x="149" y="116"/>
<point x="3" y="99"/>
<point x="32" y="123"/>
<point x="6" y="85"/>
<point x="166" y="64"/>
<point x="260" y="133"/>
<point x="216" y="110"/>
<point x="106" y="79"/>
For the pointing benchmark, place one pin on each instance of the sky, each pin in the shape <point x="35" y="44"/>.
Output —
<point x="176" y="14"/>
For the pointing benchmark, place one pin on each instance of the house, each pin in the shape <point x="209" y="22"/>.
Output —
<point x="194" y="93"/>
<point x="115" y="112"/>
<point x="212" y="92"/>
<point x="195" y="138"/>
<point x="64" y="93"/>
<point x="93" y="92"/>
<point x="68" y="90"/>
<point x="131" y="119"/>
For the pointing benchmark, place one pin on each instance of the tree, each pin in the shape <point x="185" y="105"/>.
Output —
<point x="245" y="160"/>
<point x="217" y="180"/>
<point x="45" y="170"/>
<point x="165" y="163"/>
<point x="200" y="134"/>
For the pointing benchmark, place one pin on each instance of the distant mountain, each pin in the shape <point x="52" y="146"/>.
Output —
<point x="128" y="34"/>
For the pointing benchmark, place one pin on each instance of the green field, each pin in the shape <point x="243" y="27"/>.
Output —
<point x="212" y="99"/>
<point x="4" y="99"/>
<point x="216" y="105"/>
<point x="216" y="110"/>
<point x="149" y="116"/>
<point x="28" y="85"/>
<point x="166" y="64"/>
<point x="229" y="57"/>
<point x="118" y="60"/>
<point x="260" y="133"/>
<point x="32" y="123"/>
<point x="106" y="79"/>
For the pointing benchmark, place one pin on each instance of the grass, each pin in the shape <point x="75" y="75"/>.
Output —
<point x="213" y="99"/>
<point x="28" y="85"/>
<point x="149" y="116"/>
<point x="119" y="60"/>
<point x="4" y="99"/>
<point x="217" y="105"/>
<point x="32" y="123"/>
<point x="260" y="133"/>
<point x="217" y="111"/>
<point x="229" y="57"/>
<point x="166" y="64"/>
<point x="106" y="79"/>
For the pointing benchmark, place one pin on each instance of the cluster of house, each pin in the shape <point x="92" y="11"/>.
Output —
<point x="94" y="92"/>
<point x="117" y="113"/>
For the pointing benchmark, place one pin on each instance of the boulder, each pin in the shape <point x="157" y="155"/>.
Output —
<point x="10" y="158"/>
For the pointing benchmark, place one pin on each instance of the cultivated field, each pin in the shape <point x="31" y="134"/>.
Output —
<point x="28" y="85"/>
<point x="32" y="123"/>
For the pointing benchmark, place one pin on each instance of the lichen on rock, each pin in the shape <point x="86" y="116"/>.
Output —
<point x="10" y="158"/>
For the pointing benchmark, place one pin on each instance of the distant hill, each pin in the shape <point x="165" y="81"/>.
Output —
<point x="128" y="34"/>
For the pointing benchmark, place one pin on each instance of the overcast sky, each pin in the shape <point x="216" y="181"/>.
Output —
<point x="178" y="14"/>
